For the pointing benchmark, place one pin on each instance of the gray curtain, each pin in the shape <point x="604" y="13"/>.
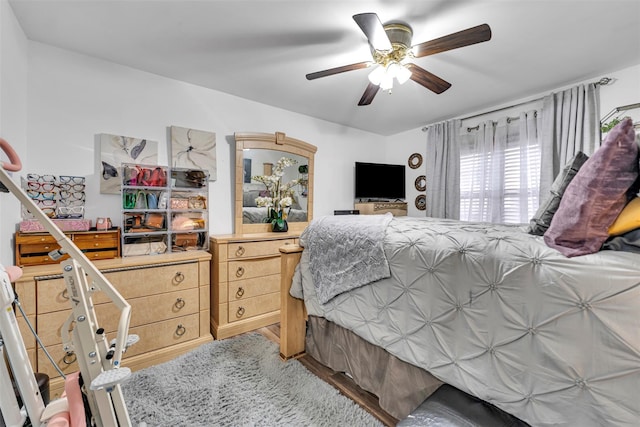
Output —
<point x="442" y="162"/>
<point x="570" y="123"/>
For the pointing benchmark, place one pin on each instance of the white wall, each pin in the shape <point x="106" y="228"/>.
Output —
<point x="73" y="97"/>
<point x="399" y="148"/>
<point x="13" y="115"/>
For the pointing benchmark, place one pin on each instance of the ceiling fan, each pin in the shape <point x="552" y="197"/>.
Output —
<point x="392" y="51"/>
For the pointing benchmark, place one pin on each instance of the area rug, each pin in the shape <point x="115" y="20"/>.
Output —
<point x="239" y="381"/>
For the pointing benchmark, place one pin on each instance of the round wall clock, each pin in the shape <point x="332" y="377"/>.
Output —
<point x="415" y="160"/>
<point x="421" y="202"/>
<point x="421" y="183"/>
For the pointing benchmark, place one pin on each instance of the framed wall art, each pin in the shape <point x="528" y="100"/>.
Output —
<point x="116" y="150"/>
<point x="191" y="148"/>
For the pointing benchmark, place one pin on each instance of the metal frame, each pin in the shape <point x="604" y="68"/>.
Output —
<point x="97" y="359"/>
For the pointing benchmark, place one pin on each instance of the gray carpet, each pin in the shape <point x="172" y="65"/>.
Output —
<point x="239" y="381"/>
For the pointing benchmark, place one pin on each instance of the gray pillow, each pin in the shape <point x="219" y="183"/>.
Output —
<point x="249" y="198"/>
<point x="539" y="224"/>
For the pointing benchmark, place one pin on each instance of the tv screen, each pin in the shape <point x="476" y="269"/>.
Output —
<point x="379" y="181"/>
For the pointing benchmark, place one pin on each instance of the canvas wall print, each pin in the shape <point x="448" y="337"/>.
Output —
<point x="191" y="148"/>
<point x="116" y="150"/>
<point x="246" y="171"/>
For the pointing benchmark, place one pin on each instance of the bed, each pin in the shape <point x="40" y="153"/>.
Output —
<point x="257" y="215"/>
<point x="488" y="309"/>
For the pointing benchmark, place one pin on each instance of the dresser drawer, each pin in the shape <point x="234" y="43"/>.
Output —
<point x="144" y="310"/>
<point x="40" y="259"/>
<point x="34" y="238"/>
<point x="256" y="249"/>
<point x="249" y="288"/>
<point x="250" y="307"/>
<point x="96" y="241"/>
<point x="152" y="337"/>
<point x="132" y="283"/>
<point x="249" y="268"/>
<point x="39" y="248"/>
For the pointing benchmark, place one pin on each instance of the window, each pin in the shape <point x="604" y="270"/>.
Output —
<point x="500" y="171"/>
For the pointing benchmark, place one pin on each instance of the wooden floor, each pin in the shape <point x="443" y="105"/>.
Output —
<point x="338" y="380"/>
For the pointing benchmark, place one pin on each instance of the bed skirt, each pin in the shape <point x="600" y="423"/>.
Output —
<point x="400" y="387"/>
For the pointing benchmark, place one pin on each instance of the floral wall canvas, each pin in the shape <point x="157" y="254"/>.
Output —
<point x="116" y="150"/>
<point x="191" y="148"/>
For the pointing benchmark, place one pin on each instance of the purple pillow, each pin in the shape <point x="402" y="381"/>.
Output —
<point x="596" y="195"/>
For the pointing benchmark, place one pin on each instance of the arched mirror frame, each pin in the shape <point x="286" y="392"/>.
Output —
<point x="270" y="141"/>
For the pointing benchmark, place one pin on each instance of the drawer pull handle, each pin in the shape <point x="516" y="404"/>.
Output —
<point x="239" y="271"/>
<point x="240" y="292"/>
<point x="240" y="312"/>
<point x="69" y="358"/>
<point x="240" y="251"/>
<point x="65" y="294"/>
<point x="181" y="330"/>
<point x="179" y="303"/>
<point x="179" y="278"/>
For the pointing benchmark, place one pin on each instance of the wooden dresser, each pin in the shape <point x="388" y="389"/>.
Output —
<point x="169" y="296"/>
<point x="245" y="280"/>
<point x="379" y="208"/>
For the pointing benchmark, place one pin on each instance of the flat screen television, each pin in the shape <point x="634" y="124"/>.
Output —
<point x="378" y="181"/>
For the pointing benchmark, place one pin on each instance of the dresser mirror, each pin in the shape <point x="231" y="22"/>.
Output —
<point x="257" y="154"/>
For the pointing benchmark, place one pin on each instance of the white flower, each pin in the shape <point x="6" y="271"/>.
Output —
<point x="264" y="201"/>
<point x="285" y="202"/>
<point x="281" y="194"/>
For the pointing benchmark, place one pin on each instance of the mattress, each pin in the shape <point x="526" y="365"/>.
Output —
<point x="496" y="313"/>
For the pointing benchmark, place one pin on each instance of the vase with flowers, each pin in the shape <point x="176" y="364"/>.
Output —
<point x="278" y="196"/>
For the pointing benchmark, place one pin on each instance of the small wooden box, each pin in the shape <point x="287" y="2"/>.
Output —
<point x="34" y="248"/>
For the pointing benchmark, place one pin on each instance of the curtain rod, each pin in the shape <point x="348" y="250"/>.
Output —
<point x="603" y="82"/>
<point x="509" y="120"/>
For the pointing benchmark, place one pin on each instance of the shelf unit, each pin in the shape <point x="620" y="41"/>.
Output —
<point x="188" y="210"/>
<point x="163" y="215"/>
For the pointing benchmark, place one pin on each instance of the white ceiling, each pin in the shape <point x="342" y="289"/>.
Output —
<point x="262" y="50"/>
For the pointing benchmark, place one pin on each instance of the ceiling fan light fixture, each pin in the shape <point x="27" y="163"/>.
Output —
<point x="387" y="82"/>
<point x="403" y="74"/>
<point x="377" y="75"/>
<point x="399" y="71"/>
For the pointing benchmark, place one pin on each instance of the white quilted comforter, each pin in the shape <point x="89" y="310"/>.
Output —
<point x="494" y="312"/>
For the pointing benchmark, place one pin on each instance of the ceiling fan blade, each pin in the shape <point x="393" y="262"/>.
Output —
<point x="467" y="37"/>
<point x="337" y="70"/>
<point x="428" y="80"/>
<point x="371" y="26"/>
<point x="368" y="95"/>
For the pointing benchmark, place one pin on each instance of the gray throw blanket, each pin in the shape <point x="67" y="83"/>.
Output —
<point x="346" y="252"/>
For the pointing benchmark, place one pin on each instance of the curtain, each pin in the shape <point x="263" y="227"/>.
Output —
<point x="570" y="123"/>
<point x="442" y="161"/>
<point x="530" y="124"/>
<point x="482" y="173"/>
<point x="499" y="170"/>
